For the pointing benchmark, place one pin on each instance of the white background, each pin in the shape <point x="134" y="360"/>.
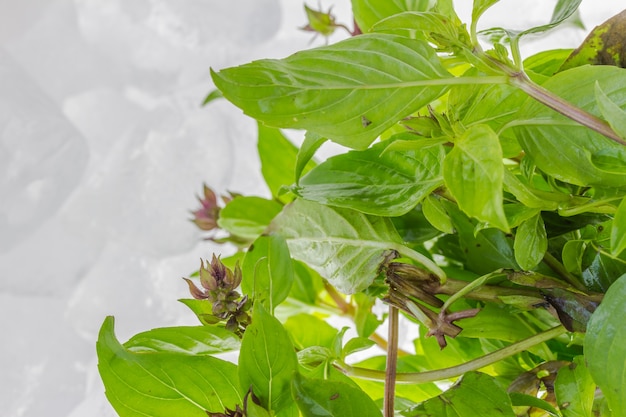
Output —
<point x="103" y="145"/>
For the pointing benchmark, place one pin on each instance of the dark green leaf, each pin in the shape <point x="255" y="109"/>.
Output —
<point x="160" y="384"/>
<point x="307" y="283"/>
<point x="304" y="159"/>
<point x="268" y="271"/>
<point x="618" y="230"/>
<point x="325" y="398"/>
<point x="345" y="246"/>
<point x="475" y="394"/>
<point x="605" y="354"/>
<point x="562" y="148"/>
<point x="603" y="46"/>
<point x="267" y="361"/>
<point x="531" y="242"/>
<point x="473" y="173"/>
<point x="390" y="184"/>
<point x="575" y="389"/>
<point x="349" y="92"/>
<point x="248" y="217"/>
<point x="496" y="322"/>
<point x="190" y="340"/>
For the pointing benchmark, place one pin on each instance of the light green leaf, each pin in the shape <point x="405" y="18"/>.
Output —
<point x="345" y="246"/>
<point x="307" y="284"/>
<point x="390" y="184"/>
<point x="480" y="7"/>
<point x="496" y="322"/>
<point x="160" y="384"/>
<point x="558" y="146"/>
<point x="268" y="271"/>
<point x="563" y="10"/>
<point x="618" y="230"/>
<point x="356" y="344"/>
<point x="531" y="242"/>
<point x="605" y="355"/>
<point x="307" y="330"/>
<point x="575" y="389"/>
<point x="326" y="398"/>
<point x="476" y="394"/>
<point x="190" y="340"/>
<point x="368" y="12"/>
<point x="213" y="95"/>
<point x="611" y="111"/>
<point x="248" y="217"/>
<point x="436" y="215"/>
<point x="267" y="361"/>
<point x="435" y="27"/>
<point x="473" y="173"/>
<point x="365" y="321"/>
<point x="311" y="144"/>
<point x="349" y="92"/>
<point x="612" y="160"/>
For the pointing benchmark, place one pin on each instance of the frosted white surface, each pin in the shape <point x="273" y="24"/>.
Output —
<point x="103" y="145"/>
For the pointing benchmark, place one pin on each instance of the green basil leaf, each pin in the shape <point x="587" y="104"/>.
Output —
<point x="268" y="271"/>
<point x="267" y="361"/>
<point x="476" y="394"/>
<point x="278" y="158"/>
<point x="611" y="160"/>
<point x="163" y="384"/>
<point x="548" y="62"/>
<point x="473" y="173"/>
<point x="480" y="7"/>
<point x="435" y="27"/>
<point x="575" y="389"/>
<point x="248" y="217"/>
<point x="365" y="321"/>
<point x="496" y="322"/>
<point x="326" y="398"/>
<point x="304" y="159"/>
<point x="349" y="92"/>
<point x="531" y="242"/>
<point x="367" y="13"/>
<point x="611" y="111"/>
<point x="558" y="146"/>
<point x="390" y="184"/>
<point x="563" y="10"/>
<point x="436" y="215"/>
<point x="345" y="246"/>
<point x="524" y="400"/>
<point x="356" y="344"/>
<point x="307" y="330"/>
<point x="213" y="95"/>
<point x="605" y="355"/>
<point x="190" y="340"/>
<point x="618" y="230"/>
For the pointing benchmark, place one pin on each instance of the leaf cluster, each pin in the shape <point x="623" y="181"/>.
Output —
<point x="481" y="195"/>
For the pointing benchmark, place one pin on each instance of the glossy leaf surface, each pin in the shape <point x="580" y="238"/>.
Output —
<point x="267" y="361"/>
<point x="268" y="271"/>
<point x="325" y="398"/>
<point x="191" y="340"/>
<point x="349" y="92"/>
<point x="368" y="12"/>
<point x="531" y="242"/>
<point x="473" y="173"/>
<point x="163" y="384"/>
<point x="248" y="217"/>
<point x="387" y="184"/>
<point x="345" y="246"/>
<point x="562" y="148"/>
<point x="604" y="353"/>
<point x="575" y="389"/>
